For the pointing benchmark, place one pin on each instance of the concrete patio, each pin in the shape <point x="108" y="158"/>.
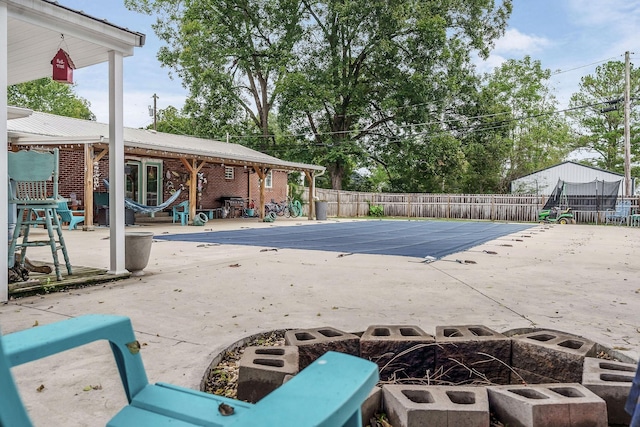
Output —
<point x="197" y="299"/>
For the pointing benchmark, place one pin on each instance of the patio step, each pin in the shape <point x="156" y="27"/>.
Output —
<point x="159" y="217"/>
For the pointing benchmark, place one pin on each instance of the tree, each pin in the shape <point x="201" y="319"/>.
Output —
<point x="172" y="120"/>
<point x="525" y="133"/>
<point x="345" y="74"/>
<point x="369" y="71"/>
<point x="602" y="131"/>
<point x="48" y="96"/>
<point x="230" y="54"/>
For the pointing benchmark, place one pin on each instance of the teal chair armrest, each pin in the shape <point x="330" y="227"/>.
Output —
<point x="42" y="341"/>
<point x="328" y="393"/>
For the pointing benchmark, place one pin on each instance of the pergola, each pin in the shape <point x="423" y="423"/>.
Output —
<point x="30" y="35"/>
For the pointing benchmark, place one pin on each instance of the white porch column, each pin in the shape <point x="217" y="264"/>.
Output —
<point x="4" y="194"/>
<point x="116" y="164"/>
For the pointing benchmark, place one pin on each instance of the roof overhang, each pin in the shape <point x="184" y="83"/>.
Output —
<point x="153" y="150"/>
<point x="38" y="28"/>
<point x="18" y="113"/>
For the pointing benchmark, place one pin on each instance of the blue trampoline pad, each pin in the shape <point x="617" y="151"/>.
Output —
<point x="402" y="238"/>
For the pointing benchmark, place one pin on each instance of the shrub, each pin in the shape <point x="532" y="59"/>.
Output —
<point x="376" y="210"/>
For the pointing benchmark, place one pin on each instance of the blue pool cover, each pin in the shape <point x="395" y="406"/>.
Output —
<point x="403" y="238"/>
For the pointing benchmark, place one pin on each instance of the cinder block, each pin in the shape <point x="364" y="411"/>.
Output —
<point x="524" y="377"/>
<point x="472" y="353"/>
<point x="263" y="369"/>
<point x="313" y="343"/>
<point x="612" y="382"/>
<point x="551" y="354"/>
<point x="400" y="351"/>
<point x="547" y="405"/>
<point x="436" y="406"/>
<point x="372" y="405"/>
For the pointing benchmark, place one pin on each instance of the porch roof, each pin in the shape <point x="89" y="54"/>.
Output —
<point x="47" y="129"/>
<point x="31" y="32"/>
<point x="36" y="29"/>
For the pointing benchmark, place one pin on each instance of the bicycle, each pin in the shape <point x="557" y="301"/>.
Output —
<point x="279" y="209"/>
<point x="295" y="207"/>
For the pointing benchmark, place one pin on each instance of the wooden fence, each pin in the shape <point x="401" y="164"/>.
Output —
<point x="494" y="207"/>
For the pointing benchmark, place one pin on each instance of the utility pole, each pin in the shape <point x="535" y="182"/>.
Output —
<point x="627" y="132"/>
<point x="154" y="112"/>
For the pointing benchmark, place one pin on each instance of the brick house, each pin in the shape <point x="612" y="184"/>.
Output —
<point x="156" y="164"/>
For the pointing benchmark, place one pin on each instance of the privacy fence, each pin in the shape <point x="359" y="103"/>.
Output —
<point x="494" y="207"/>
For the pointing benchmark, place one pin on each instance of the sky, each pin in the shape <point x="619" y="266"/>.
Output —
<point x="569" y="37"/>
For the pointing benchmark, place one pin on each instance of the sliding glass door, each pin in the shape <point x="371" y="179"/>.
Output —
<point x="143" y="180"/>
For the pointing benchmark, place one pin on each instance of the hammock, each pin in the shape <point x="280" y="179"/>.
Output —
<point x="137" y="207"/>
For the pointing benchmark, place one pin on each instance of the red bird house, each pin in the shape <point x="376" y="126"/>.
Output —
<point x="62" y="67"/>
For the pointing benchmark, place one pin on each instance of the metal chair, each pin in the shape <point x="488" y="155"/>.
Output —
<point x="31" y="172"/>
<point x="620" y="214"/>
<point x="328" y="393"/>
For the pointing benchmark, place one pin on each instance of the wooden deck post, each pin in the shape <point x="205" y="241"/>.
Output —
<point x="88" y="188"/>
<point x="193" y="169"/>
<point x="312" y="190"/>
<point x="262" y="173"/>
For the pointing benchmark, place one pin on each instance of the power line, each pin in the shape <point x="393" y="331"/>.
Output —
<point x="495" y="125"/>
<point x="584" y="66"/>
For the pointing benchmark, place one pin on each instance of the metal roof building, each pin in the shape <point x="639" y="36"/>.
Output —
<point x="543" y="182"/>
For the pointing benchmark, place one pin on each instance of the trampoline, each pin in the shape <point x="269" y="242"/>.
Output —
<point x="403" y="238"/>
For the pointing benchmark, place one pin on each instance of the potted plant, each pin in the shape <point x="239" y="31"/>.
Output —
<point x="251" y="209"/>
<point x="137" y="248"/>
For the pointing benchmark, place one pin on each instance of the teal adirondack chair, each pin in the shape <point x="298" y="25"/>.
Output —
<point x="328" y="393"/>
<point x="67" y="215"/>
<point x="181" y="212"/>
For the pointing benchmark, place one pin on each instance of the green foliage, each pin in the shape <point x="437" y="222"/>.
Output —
<point x="603" y="132"/>
<point x="349" y="79"/>
<point x="48" y="96"/>
<point x="231" y="55"/>
<point x="369" y="70"/>
<point x="524" y="132"/>
<point x="296" y="191"/>
<point x="376" y="210"/>
<point x="171" y="120"/>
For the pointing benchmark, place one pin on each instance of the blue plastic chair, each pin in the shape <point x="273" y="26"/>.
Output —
<point x="67" y="215"/>
<point x="181" y="212"/>
<point x="633" y="401"/>
<point x="328" y="393"/>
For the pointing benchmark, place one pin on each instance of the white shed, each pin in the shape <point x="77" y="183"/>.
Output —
<point x="544" y="181"/>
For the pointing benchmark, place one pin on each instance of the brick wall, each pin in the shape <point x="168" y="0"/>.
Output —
<point x="71" y="174"/>
<point x="244" y="184"/>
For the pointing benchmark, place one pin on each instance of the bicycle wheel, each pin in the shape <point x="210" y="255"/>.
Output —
<point x="280" y="210"/>
<point x="268" y="209"/>
<point x="296" y="209"/>
<point x="287" y="212"/>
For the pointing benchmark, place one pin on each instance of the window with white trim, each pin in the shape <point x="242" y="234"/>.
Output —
<point x="229" y="172"/>
<point x="268" y="180"/>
